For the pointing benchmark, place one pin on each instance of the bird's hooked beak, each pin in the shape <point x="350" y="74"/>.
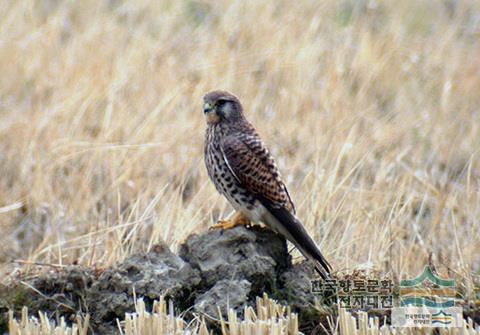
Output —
<point x="210" y="113"/>
<point x="207" y="108"/>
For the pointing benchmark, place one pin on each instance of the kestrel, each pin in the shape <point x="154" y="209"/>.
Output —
<point x="243" y="171"/>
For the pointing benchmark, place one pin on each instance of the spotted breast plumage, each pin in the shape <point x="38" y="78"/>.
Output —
<point x="242" y="170"/>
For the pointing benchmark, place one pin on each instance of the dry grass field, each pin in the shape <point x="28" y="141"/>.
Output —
<point x="371" y="108"/>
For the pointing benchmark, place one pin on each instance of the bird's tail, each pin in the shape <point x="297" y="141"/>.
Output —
<point x="287" y="224"/>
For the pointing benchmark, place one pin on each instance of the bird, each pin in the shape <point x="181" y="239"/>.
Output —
<point x="244" y="172"/>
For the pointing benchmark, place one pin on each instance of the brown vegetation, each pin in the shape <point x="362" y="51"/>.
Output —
<point x="101" y="126"/>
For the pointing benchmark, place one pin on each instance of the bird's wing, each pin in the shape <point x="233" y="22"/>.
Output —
<point x="253" y="166"/>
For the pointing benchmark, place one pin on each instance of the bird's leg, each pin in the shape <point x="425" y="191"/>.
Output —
<point x="237" y="219"/>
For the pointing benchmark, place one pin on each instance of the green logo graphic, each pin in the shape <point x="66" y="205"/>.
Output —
<point x="428" y="290"/>
<point x="442" y="318"/>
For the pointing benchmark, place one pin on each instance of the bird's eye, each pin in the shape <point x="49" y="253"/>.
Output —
<point x="221" y="102"/>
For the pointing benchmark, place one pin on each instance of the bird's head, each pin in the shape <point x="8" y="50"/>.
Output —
<point x="222" y="106"/>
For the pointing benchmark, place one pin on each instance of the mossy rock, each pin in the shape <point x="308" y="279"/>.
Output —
<point x="12" y="297"/>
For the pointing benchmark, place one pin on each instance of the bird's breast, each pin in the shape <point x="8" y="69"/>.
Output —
<point x="223" y="178"/>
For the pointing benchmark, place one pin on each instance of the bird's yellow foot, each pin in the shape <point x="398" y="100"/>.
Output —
<point x="237" y="219"/>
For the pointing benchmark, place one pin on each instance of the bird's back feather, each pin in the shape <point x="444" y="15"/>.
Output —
<point x="254" y="167"/>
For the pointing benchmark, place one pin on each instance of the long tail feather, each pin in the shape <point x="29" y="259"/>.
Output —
<point x="294" y="231"/>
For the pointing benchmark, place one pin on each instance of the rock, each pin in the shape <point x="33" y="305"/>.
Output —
<point x="254" y="254"/>
<point x="159" y="272"/>
<point x="215" y="269"/>
<point x="62" y="292"/>
<point x="297" y="285"/>
<point x="315" y="311"/>
<point x="223" y="295"/>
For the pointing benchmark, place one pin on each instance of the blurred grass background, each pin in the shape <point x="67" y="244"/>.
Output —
<point x="371" y="108"/>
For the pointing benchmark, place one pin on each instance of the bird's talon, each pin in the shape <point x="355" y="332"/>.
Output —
<point x="237" y="220"/>
<point x="223" y="224"/>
